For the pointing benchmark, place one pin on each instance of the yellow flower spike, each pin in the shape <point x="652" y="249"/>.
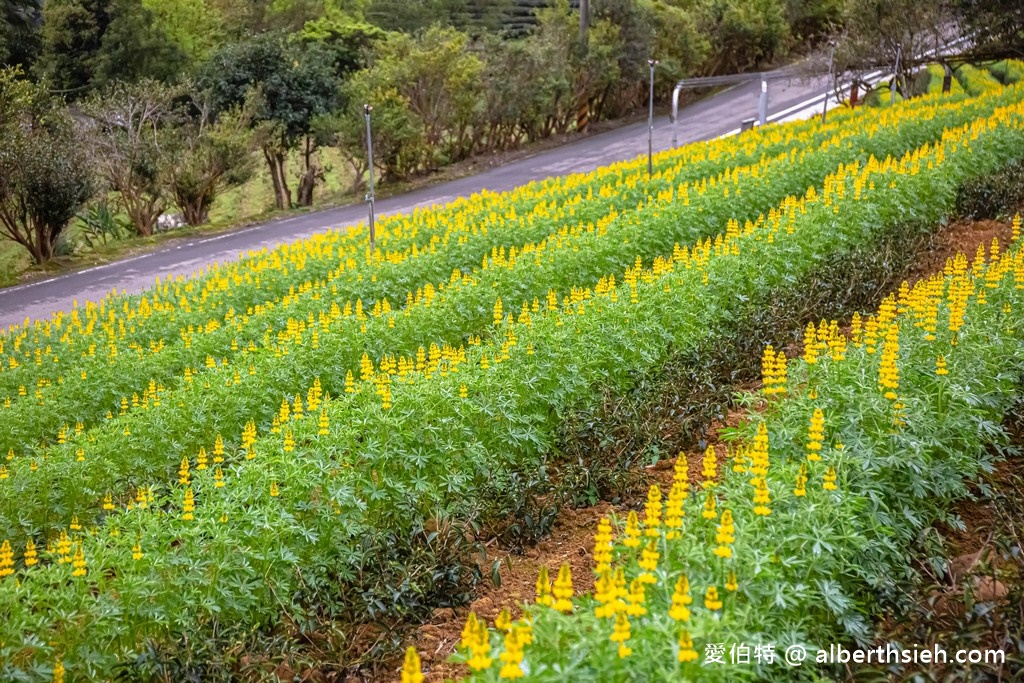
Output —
<point x="687" y="653"/>
<point x="544" y="588"/>
<point x="637" y="597"/>
<point x="412" y="671"/>
<point x="58" y="672"/>
<point x="31" y="557"/>
<point x="649" y="562"/>
<point x="137" y="551"/>
<point x="512" y="656"/>
<point x="78" y="562"/>
<point x="810" y="345"/>
<point x="603" y="542"/>
<point x="75" y="526"/>
<point x="680" y="599"/>
<point x="940" y="366"/>
<point x="6" y="559"/>
<point x="480" y="647"/>
<point x="503" y="622"/>
<point x="710" y="511"/>
<point x="652" y="511"/>
<point x="761" y="499"/>
<point x="201" y="459"/>
<point x="562" y="590"/>
<point x="621" y="634"/>
<point x="189" y="506"/>
<point x="463" y="391"/>
<point x="274" y="491"/>
<point x="289" y="441"/>
<point x="731" y="582"/>
<point x="815" y="435"/>
<point x="830" y="479"/>
<point x="632" y="530"/>
<point x="218" y="478"/>
<point x="605" y="594"/>
<point x="711" y="600"/>
<point x="469" y="631"/>
<point x="710" y="467"/>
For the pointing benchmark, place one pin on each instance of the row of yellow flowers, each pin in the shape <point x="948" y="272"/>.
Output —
<point x="643" y="603"/>
<point x="455" y="419"/>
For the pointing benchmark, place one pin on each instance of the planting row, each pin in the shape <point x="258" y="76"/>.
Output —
<point x="49" y="487"/>
<point x="792" y="534"/>
<point x="313" y="519"/>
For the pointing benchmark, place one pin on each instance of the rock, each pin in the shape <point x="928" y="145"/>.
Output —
<point x="482" y="606"/>
<point x="960" y="567"/>
<point x="988" y="589"/>
<point x="442" y="614"/>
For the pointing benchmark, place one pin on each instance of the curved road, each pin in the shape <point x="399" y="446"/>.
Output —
<point x="707" y="119"/>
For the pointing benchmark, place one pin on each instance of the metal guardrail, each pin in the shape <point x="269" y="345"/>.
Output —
<point x="785" y="74"/>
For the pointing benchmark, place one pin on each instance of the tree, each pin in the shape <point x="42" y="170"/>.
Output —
<point x="194" y="26"/>
<point x="398" y="141"/>
<point x="19" y="39"/>
<point x="878" y="30"/>
<point x="44" y="174"/>
<point x="210" y="155"/>
<point x="743" y="33"/>
<point x="679" y="44"/>
<point x="348" y="43"/>
<point x="132" y="146"/>
<point x="439" y="77"/>
<point x="87" y="44"/>
<point x="290" y="85"/>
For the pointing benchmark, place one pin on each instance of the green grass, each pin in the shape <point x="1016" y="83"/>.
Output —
<point x="975" y="80"/>
<point x="256" y="197"/>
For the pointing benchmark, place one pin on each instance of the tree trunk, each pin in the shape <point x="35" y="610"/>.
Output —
<point x="311" y="173"/>
<point x="276" y="161"/>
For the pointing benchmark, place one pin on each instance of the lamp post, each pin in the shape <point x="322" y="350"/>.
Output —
<point x="650" y="121"/>
<point x="831" y="81"/>
<point x="369" y="195"/>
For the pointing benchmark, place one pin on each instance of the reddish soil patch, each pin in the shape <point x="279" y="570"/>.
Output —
<point x="959" y="236"/>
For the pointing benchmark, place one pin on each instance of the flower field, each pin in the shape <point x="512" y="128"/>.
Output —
<point x="309" y="435"/>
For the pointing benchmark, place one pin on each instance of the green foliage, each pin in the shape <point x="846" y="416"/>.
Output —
<point x="743" y="34"/>
<point x="194" y="26"/>
<point x="286" y="86"/>
<point x="350" y="43"/>
<point x="101" y="225"/>
<point x="995" y="196"/>
<point x="87" y="44"/>
<point x="436" y="466"/>
<point x="44" y="174"/>
<point x="1008" y="71"/>
<point x="211" y="156"/>
<point x="19" y="41"/>
<point x="975" y="81"/>
<point x="132" y="131"/>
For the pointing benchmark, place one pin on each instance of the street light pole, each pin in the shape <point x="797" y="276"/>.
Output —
<point x="369" y="196"/>
<point x="895" y="75"/>
<point x="650" y="121"/>
<point x="831" y="82"/>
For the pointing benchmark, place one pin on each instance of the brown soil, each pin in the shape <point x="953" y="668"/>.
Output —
<point x="571" y="539"/>
<point x="959" y="236"/>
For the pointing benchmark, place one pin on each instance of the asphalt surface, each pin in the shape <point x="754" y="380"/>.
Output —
<point x="707" y="119"/>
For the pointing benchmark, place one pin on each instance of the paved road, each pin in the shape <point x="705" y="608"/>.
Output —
<point x="706" y="119"/>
